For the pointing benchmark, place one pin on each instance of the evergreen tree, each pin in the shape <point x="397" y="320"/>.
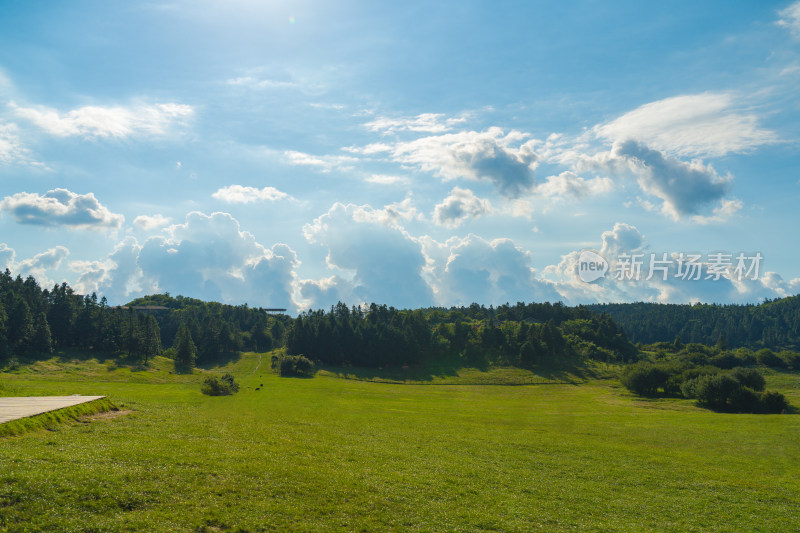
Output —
<point x="20" y="326"/>
<point x="151" y="337"/>
<point x="42" y="341"/>
<point x="185" y="350"/>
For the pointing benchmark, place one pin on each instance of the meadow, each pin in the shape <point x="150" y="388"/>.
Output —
<point x="444" y="453"/>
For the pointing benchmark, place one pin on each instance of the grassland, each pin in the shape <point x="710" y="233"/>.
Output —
<point x="327" y="454"/>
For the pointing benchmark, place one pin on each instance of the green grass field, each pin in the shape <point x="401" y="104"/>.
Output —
<point x="327" y="454"/>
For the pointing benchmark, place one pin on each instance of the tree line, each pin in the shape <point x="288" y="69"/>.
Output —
<point x="771" y="324"/>
<point x="523" y="335"/>
<point x="34" y="321"/>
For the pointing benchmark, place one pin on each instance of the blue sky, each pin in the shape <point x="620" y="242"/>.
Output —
<point x="293" y="154"/>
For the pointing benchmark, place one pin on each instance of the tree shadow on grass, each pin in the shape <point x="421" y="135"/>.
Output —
<point x="220" y="360"/>
<point x="396" y="373"/>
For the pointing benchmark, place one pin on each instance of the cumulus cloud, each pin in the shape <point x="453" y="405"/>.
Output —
<point x="684" y="187"/>
<point x="672" y="281"/>
<point x="38" y="265"/>
<point x="503" y="159"/>
<point x="103" y="122"/>
<point x="461" y="205"/>
<point x="60" y="207"/>
<point x="385" y="262"/>
<point x="570" y="185"/>
<point x="473" y="269"/>
<point x="151" y="222"/>
<point x="208" y="257"/>
<point x="426" y="122"/>
<point x="790" y="18"/>
<point x="707" y="124"/>
<point x="245" y="195"/>
<point x="118" y="277"/>
<point x="6" y="256"/>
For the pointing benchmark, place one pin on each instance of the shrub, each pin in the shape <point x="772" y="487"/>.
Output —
<point x="773" y="402"/>
<point x="749" y="377"/>
<point x="726" y="392"/>
<point x="792" y="359"/>
<point x="224" y="386"/>
<point x="744" y="400"/>
<point x="713" y="391"/>
<point x="767" y="357"/>
<point x="293" y="365"/>
<point x="746" y="356"/>
<point x="644" y="378"/>
<point x="725" y="360"/>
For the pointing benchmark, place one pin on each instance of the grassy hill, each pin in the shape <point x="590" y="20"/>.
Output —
<point x="327" y="454"/>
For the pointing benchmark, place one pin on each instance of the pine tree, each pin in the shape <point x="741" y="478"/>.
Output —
<point x="185" y="350"/>
<point x="20" y="326"/>
<point x="42" y="341"/>
<point x="151" y="337"/>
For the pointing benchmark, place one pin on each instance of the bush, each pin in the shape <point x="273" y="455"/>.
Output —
<point x="744" y="400"/>
<point x="727" y="392"/>
<point x="725" y="360"/>
<point x="792" y="359"/>
<point x="293" y="365"/>
<point x="713" y="391"/>
<point x="749" y="377"/>
<point x="224" y="386"/>
<point x="767" y="357"/>
<point x="773" y="402"/>
<point x="644" y="378"/>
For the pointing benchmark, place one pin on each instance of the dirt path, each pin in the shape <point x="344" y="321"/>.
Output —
<point x="20" y="407"/>
<point x="258" y="365"/>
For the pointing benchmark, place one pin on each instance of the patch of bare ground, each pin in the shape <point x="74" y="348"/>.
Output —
<point x="108" y="415"/>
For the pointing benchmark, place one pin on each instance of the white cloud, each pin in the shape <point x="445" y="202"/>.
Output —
<point x="707" y="124"/>
<point x="684" y="188"/>
<point x="385" y="179"/>
<point x="118" y="277"/>
<point x="208" y="257"/>
<point x="503" y="159"/>
<point x="461" y="205"/>
<point x="722" y="213"/>
<point x="245" y="195"/>
<point x="324" y="163"/>
<point x="97" y="121"/>
<point x="570" y="185"/>
<point x="426" y="122"/>
<point x="39" y="264"/>
<point x="472" y="269"/>
<point x="60" y="207"/>
<point x="370" y="149"/>
<point x="6" y="256"/>
<point x="149" y="223"/>
<point x="790" y="18"/>
<point x="384" y="261"/>
<point x="626" y="239"/>
<point x="11" y="149"/>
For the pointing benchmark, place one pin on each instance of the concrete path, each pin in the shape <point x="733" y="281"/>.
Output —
<point x="20" y="407"/>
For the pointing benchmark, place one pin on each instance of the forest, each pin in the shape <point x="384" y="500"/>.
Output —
<point x="34" y="320"/>
<point x="771" y="324"/>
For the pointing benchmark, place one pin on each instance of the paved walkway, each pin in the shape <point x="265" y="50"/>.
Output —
<point x="20" y="407"/>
